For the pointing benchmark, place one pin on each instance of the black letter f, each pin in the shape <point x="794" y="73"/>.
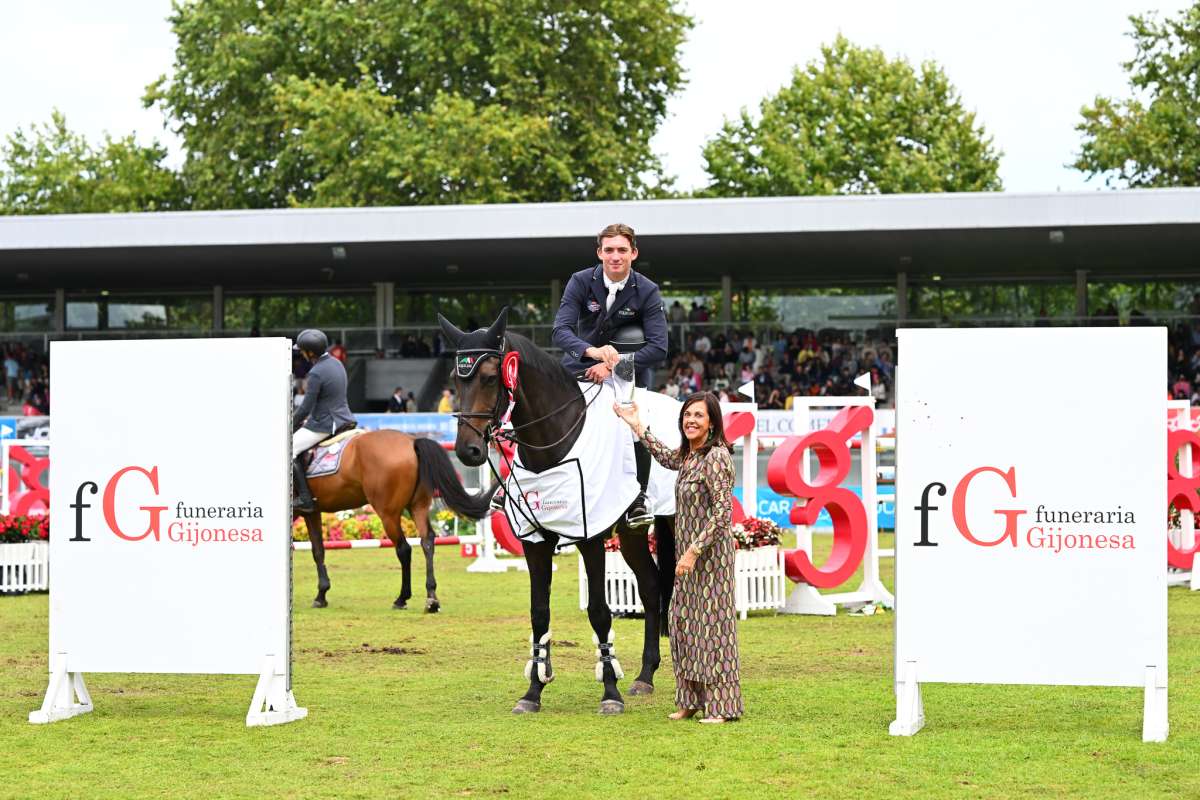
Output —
<point x="79" y="506"/>
<point x="925" y="508"/>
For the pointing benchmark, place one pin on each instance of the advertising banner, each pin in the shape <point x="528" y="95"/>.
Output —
<point x="170" y="500"/>
<point x="1030" y="542"/>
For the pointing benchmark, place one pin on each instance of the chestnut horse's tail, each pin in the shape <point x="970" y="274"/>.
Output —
<point x="435" y="472"/>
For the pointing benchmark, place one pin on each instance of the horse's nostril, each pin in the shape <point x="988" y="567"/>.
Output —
<point x="474" y="452"/>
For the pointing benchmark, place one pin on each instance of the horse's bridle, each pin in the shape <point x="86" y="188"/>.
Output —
<point x="491" y="432"/>
<point x="476" y="356"/>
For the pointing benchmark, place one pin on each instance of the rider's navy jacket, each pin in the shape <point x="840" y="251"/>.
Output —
<point x="324" y="405"/>
<point x="581" y="321"/>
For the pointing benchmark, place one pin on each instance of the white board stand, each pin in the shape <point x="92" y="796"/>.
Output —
<point x="804" y="598"/>
<point x="273" y="703"/>
<point x="1154" y="707"/>
<point x="910" y="711"/>
<point x="61" y="694"/>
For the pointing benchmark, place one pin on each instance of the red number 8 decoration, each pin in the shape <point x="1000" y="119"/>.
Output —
<point x="785" y="474"/>
<point x="1181" y="491"/>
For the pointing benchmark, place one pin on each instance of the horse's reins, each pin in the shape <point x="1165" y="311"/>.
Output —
<point x="493" y="432"/>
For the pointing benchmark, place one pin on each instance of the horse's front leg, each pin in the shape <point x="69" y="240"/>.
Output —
<point x="312" y="521"/>
<point x="635" y="549"/>
<point x="539" y="558"/>
<point x="608" y="669"/>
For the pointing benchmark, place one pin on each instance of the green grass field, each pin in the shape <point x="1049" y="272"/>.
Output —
<point x="407" y="705"/>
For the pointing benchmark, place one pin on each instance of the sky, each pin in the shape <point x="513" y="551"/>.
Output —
<point x="1024" y="67"/>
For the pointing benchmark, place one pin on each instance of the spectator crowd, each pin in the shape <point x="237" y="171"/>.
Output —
<point x="781" y="365"/>
<point x="27" y="379"/>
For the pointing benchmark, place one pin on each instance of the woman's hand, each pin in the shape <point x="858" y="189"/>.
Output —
<point x="629" y="413"/>
<point x="686" y="563"/>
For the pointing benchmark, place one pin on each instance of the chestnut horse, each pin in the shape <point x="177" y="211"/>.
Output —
<point x="392" y="471"/>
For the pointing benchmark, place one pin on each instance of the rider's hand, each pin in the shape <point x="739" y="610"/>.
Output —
<point x="608" y="354"/>
<point x="598" y="373"/>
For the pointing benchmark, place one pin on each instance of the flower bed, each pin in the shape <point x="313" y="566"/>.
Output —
<point x="352" y="525"/>
<point x="24" y="554"/>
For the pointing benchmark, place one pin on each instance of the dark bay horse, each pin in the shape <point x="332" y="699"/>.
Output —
<point x="547" y="418"/>
<point x="392" y="471"/>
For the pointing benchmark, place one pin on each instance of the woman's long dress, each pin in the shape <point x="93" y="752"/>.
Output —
<point x="703" y="618"/>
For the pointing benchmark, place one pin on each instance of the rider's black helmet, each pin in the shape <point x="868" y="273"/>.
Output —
<point x="312" y="341"/>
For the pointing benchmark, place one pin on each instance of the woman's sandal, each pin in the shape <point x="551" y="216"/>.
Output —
<point x="683" y="714"/>
<point x="717" y="720"/>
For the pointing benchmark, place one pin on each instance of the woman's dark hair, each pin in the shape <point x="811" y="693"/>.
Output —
<point x="715" y="421"/>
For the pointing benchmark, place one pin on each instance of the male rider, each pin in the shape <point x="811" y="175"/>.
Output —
<point x="597" y="304"/>
<point x="323" y="411"/>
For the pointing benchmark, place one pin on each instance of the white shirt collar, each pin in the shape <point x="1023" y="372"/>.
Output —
<point x="608" y="284"/>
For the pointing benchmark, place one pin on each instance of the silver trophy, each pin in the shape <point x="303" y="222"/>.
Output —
<point x="623" y="380"/>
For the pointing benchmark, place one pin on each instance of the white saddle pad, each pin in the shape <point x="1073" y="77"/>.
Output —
<point x="585" y="494"/>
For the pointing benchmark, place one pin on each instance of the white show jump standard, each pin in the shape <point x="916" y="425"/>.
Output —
<point x="171" y="556"/>
<point x="1015" y="520"/>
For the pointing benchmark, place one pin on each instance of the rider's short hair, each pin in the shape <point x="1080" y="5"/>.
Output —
<point x="617" y="229"/>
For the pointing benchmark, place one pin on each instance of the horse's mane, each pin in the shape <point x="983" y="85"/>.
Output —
<point x="538" y="359"/>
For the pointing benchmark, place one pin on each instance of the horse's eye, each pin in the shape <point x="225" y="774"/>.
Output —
<point x="488" y="380"/>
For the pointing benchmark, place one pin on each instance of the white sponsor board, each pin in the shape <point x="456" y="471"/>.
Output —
<point x="1029" y="533"/>
<point x="170" y="495"/>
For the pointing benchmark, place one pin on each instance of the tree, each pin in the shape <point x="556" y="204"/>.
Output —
<point x="854" y="122"/>
<point x="50" y="170"/>
<point x="1153" y="138"/>
<point x="392" y="101"/>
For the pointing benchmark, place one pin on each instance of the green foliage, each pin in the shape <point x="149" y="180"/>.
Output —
<point x="854" y="122"/>
<point x="295" y="102"/>
<point x="50" y="170"/>
<point x="1152" y="138"/>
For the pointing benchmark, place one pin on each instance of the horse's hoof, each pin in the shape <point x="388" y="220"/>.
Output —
<point x="526" y="707"/>
<point x="320" y="603"/>
<point x="399" y="605"/>
<point x="432" y="606"/>
<point x="609" y="707"/>
<point x="641" y="687"/>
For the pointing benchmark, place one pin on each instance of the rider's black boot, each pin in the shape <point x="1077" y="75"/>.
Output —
<point x="303" y="501"/>
<point x="638" y="516"/>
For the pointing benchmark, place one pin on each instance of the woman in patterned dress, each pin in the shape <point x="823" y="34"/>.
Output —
<point x="703" y="620"/>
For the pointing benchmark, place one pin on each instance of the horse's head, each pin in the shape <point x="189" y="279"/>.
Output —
<point x="481" y="400"/>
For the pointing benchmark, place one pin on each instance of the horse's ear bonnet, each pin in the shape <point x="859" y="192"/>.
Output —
<point x="471" y="348"/>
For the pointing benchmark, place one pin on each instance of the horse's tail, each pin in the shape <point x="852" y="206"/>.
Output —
<point x="435" y="471"/>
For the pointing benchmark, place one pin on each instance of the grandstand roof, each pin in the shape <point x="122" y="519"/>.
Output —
<point x="759" y="241"/>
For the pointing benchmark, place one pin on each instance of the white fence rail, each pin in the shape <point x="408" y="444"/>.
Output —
<point x="758" y="575"/>
<point x="25" y="567"/>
